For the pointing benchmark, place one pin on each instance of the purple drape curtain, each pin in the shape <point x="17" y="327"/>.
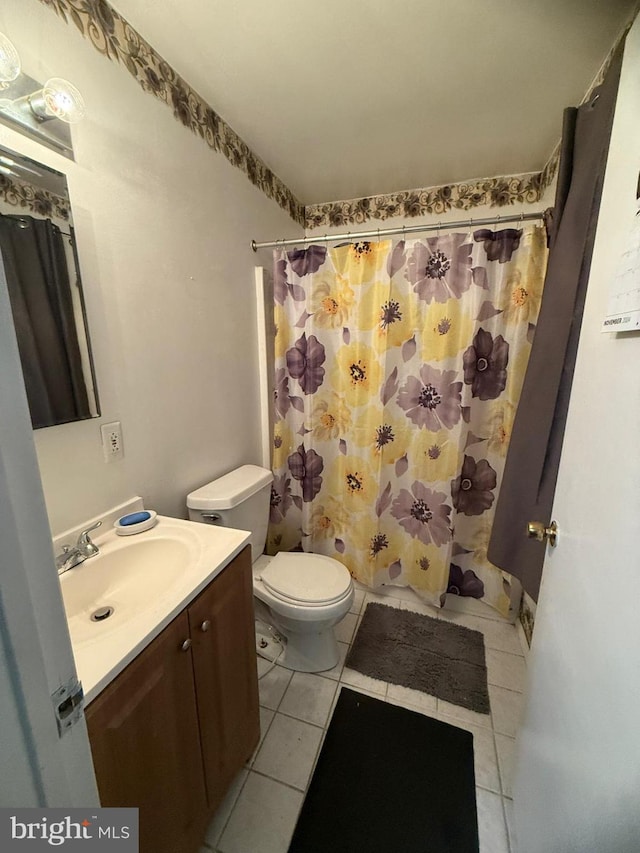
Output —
<point x="531" y="468"/>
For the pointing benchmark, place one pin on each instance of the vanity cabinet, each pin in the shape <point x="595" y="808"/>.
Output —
<point x="170" y="733"/>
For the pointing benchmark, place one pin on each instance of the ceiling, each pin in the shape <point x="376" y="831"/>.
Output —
<point x="351" y="98"/>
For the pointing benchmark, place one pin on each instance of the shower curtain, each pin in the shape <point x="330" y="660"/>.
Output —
<point x="399" y="366"/>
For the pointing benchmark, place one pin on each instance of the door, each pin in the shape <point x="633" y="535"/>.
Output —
<point x="35" y="650"/>
<point x="577" y="785"/>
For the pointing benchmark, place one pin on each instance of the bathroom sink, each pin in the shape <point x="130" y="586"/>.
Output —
<point x="124" y="578"/>
<point x="135" y="586"/>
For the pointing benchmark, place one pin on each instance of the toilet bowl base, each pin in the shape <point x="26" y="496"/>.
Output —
<point x="313" y="652"/>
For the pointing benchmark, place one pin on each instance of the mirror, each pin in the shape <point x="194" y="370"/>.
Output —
<point x="37" y="243"/>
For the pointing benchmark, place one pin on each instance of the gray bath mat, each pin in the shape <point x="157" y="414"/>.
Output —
<point x="426" y="654"/>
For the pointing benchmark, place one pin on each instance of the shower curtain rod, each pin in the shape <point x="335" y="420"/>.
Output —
<point x="387" y="232"/>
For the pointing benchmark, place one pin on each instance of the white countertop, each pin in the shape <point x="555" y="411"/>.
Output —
<point x="103" y="649"/>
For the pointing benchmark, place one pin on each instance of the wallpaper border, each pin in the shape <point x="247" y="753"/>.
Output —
<point x="466" y="195"/>
<point x="113" y="37"/>
<point x="22" y="194"/>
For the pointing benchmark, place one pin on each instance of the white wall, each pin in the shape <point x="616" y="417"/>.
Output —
<point x="164" y="226"/>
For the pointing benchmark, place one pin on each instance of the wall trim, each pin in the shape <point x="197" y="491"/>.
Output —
<point x="527" y="617"/>
<point x="482" y="192"/>
<point x="113" y="37"/>
<point x="24" y="195"/>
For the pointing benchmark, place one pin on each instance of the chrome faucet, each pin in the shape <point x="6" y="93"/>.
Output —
<point x="81" y="551"/>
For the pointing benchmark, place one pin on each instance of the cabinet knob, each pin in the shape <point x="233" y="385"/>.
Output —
<point x="205" y="625"/>
<point x="186" y="645"/>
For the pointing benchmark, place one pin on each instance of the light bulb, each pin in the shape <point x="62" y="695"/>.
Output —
<point x="60" y="99"/>
<point x="9" y="60"/>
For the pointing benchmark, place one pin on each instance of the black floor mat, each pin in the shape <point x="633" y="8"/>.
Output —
<point x="389" y="779"/>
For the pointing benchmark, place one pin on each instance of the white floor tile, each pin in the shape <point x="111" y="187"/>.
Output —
<point x="506" y="709"/>
<point x="420" y="607"/>
<point x="506" y="670"/>
<point x="414" y="699"/>
<point x="288" y="751"/>
<point x="499" y="635"/>
<point x="353" y="678"/>
<point x="345" y="629"/>
<point x="484" y="754"/>
<point x="473" y="718"/>
<point x="358" y="598"/>
<point x="264" y="818"/>
<point x="511" y="824"/>
<point x="266" y="716"/>
<point x="378" y="598"/>
<point x="491" y="823"/>
<point x="265" y="810"/>
<point x="336" y="672"/>
<point x="217" y="825"/>
<point x="506" y="747"/>
<point x="309" y="697"/>
<point x="272" y="687"/>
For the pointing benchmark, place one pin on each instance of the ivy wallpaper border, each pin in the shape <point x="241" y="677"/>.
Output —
<point x="527" y="620"/>
<point x="24" y="195"/>
<point x="113" y="37"/>
<point x="491" y="192"/>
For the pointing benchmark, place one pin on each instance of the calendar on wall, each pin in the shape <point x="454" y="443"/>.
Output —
<point x="623" y="308"/>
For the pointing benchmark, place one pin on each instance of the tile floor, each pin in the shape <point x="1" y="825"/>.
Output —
<point x="260" y="811"/>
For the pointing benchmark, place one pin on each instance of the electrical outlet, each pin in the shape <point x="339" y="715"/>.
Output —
<point x="112" y="441"/>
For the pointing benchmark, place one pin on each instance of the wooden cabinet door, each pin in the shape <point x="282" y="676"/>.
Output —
<point x="224" y="659"/>
<point x="145" y="742"/>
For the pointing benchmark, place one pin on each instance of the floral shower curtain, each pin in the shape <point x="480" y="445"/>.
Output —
<point x="399" y="367"/>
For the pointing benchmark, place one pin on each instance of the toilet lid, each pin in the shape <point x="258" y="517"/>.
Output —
<point x="308" y="578"/>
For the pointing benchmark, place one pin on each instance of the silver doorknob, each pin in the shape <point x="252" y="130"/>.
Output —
<point x="537" y="530"/>
<point x="205" y="625"/>
<point x="186" y="645"/>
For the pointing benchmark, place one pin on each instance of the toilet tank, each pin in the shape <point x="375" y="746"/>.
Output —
<point x="239" y="499"/>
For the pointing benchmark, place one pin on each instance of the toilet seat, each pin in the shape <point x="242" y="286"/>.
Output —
<point x="310" y="580"/>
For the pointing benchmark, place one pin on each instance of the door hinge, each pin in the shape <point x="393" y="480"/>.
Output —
<point x="68" y="704"/>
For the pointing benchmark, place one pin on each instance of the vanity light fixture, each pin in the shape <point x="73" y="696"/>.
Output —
<point x="43" y="112"/>
<point x="9" y="61"/>
<point x="56" y="99"/>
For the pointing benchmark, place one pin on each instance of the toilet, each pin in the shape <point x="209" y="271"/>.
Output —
<point x="303" y="596"/>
